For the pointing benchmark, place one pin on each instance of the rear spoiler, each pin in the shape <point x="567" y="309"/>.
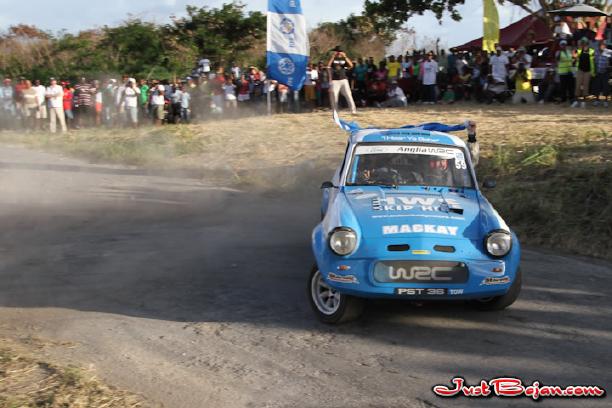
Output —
<point x="430" y="126"/>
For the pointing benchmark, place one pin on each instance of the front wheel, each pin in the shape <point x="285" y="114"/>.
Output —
<point x="329" y="305"/>
<point x="503" y="301"/>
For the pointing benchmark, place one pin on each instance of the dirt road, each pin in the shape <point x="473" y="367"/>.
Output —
<point x="194" y="296"/>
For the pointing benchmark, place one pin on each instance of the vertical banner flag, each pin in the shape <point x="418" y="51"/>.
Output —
<point x="490" y="35"/>
<point x="288" y="47"/>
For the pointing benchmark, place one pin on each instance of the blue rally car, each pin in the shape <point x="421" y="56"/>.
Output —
<point x="403" y="218"/>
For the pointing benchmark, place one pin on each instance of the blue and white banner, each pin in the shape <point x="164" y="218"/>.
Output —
<point x="288" y="47"/>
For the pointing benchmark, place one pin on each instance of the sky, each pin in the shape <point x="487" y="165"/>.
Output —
<point x="74" y="15"/>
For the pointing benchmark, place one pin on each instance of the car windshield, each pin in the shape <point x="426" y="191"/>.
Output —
<point x="409" y="165"/>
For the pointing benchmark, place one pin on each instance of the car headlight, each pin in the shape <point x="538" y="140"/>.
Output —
<point x="498" y="243"/>
<point x="343" y="241"/>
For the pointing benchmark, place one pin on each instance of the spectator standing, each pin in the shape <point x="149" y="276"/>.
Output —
<point x="218" y="92"/>
<point x="243" y="89"/>
<point x="176" y="100"/>
<point x="603" y="56"/>
<point x="69" y="104"/>
<point x="41" y="113"/>
<point x="338" y="64"/>
<point x="144" y="98"/>
<point x="323" y="85"/>
<point x="309" y="86"/>
<point x="108" y="101"/>
<point x="430" y="72"/>
<point x="98" y="102"/>
<point x="84" y="93"/>
<point x="561" y="30"/>
<point x="229" y="90"/>
<point x="185" y="105"/>
<point x="157" y="104"/>
<point x="499" y="65"/>
<point x="7" y="103"/>
<point x="130" y="98"/>
<point x="283" y="98"/>
<point x="54" y="93"/>
<point x="565" y="61"/>
<point x="394" y="68"/>
<point x="30" y="105"/>
<point x="522" y="80"/>
<point x="585" y="64"/>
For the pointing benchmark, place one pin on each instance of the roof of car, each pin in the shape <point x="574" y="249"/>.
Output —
<point x="411" y="135"/>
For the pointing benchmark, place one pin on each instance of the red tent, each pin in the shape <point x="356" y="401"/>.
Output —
<point x="525" y="32"/>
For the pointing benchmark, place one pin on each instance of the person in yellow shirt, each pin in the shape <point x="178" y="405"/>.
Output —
<point x="522" y="81"/>
<point x="394" y="68"/>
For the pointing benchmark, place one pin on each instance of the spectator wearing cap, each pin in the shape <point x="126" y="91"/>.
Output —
<point x="54" y="94"/>
<point x="565" y="62"/>
<point x="585" y="69"/>
<point x="499" y="65"/>
<point x="601" y="86"/>
<point x="547" y="86"/>
<point x="396" y="97"/>
<point x="522" y="57"/>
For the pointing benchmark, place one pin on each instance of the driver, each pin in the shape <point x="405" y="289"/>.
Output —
<point x="375" y="170"/>
<point x="439" y="172"/>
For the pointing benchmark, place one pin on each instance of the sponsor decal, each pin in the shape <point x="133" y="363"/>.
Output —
<point x="342" y="278"/>
<point x="286" y="66"/>
<point x="407" y="203"/>
<point x="421" y="291"/>
<point x="514" y="387"/>
<point x="494" y="280"/>
<point x="419" y="228"/>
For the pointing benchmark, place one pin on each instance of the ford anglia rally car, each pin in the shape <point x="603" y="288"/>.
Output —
<point x="403" y="217"/>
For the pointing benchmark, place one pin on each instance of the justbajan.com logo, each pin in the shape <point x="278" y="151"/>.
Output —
<point x="514" y="387"/>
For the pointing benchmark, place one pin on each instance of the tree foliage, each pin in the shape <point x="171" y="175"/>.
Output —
<point x="392" y="14"/>
<point x="135" y="47"/>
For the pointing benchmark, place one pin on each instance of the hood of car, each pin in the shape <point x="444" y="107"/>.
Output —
<point x="440" y="212"/>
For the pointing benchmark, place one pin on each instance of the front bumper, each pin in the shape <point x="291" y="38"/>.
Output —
<point x="355" y="274"/>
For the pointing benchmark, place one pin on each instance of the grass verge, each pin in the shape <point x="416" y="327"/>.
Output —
<point x="28" y="380"/>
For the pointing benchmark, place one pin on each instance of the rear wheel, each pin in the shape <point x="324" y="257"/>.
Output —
<point x="329" y="305"/>
<point x="503" y="301"/>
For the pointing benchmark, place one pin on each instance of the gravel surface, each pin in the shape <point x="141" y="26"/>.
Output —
<point x="194" y="295"/>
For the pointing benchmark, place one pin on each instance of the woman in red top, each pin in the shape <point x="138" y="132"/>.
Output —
<point x="243" y="89"/>
<point x="68" y="97"/>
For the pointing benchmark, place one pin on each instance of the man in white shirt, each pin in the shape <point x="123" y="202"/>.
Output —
<point x="55" y="94"/>
<point x="205" y="65"/>
<point x="430" y="72"/>
<point x="396" y="97"/>
<point x="41" y="113"/>
<point x="130" y="97"/>
<point x="499" y="66"/>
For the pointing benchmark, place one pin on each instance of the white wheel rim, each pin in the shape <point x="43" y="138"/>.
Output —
<point x="325" y="298"/>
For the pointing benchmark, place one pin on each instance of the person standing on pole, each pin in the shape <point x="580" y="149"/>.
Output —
<point x="338" y="63"/>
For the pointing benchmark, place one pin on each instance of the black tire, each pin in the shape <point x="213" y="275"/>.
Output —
<point x="349" y="308"/>
<point x="503" y="301"/>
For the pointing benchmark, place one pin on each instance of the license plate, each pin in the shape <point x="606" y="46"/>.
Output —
<point x="420" y="272"/>
<point x="421" y="291"/>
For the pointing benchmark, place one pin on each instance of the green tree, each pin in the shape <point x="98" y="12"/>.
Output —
<point x="222" y="34"/>
<point x="392" y="14"/>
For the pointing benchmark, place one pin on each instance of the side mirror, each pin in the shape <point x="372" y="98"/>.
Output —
<point x="489" y="182"/>
<point x="327" y="184"/>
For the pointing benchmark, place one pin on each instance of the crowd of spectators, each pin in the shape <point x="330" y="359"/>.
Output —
<point x="573" y="68"/>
